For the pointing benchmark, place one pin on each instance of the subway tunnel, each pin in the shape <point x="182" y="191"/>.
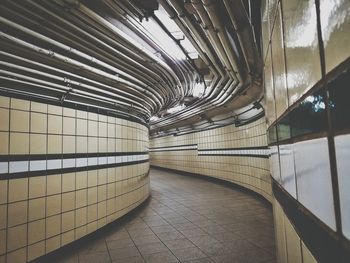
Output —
<point x="175" y="131"/>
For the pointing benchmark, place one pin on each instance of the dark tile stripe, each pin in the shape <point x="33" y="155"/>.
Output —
<point x="182" y="145"/>
<point x="323" y="243"/>
<point x="28" y="157"/>
<point x="66" y="170"/>
<point x="237" y="155"/>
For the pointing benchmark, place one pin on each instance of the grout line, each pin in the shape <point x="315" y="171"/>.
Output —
<point x="75" y="178"/>
<point x="61" y="178"/>
<point x="109" y="254"/>
<point x="135" y="245"/>
<point x="8" y="183"/>
<point x="45" y="203"/>
<point x="28" y="179"/>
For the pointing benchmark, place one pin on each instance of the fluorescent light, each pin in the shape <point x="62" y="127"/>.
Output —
<point x="162" y="39"/>
<point x="187" y="45"/>
<point x="198" y="90"/>
<point x="176" y="109"/>
<point x="169" y="23"/>
<point x="165" y="41"/>
<point x="154" y="118"/>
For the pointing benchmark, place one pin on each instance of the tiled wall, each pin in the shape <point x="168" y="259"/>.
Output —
<point x="289" y="246"/>
<point x="236" y="154"/>
<point x="306" y="73"/>
<point x="64" y="173"/>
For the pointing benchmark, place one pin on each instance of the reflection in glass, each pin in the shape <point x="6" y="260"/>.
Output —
<point x="272" y="134"/>
<point x="310" y="115"/>
<point x="339" y="92"/>
<point x="283" y="129"/>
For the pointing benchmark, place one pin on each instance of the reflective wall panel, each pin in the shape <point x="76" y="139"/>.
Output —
<point x="335" y="23"/>
<point x="301" y="47"/>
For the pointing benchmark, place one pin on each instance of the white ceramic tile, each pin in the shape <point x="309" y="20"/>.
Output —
<point x="68" y="163"/>
<point x="38" y="165"/>
<point x="274" y="163"/>
<point x="111" y="159"/>
<point x="342" y="148"/>
<point x="18" y="166"/>
<point x="4" y="167"/>
<point x="287" y="169"/>
<point x="313" y="176"/>
<point x="54" y="164"/>
<point x="81" y="162"/>
<point x="92" y="161"/>
<point x="102" y="160"/>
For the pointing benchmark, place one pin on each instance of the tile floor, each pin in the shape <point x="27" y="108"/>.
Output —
<point x="186" y="220"/>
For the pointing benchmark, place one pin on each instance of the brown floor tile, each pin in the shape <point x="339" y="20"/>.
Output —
<point x="162" y="257"/>
<point x="215" y="249"/>
<point x="189" y="253"/>
<point x="120" y="243"/>
<point x="162" y="229"/>
<point x="98" y="246"/>
<point x="238" y="246"/>
<point x="138" y="259"/>
<point x="183" y="226"/>
<point x="193" y="232"/>
<point x="178" y="244"/>
<point x="227" y="237"/>
<point x="95" y="258"/>
<point x="125" y="252"/>
<point x="172" y="235"/>
<point x="119" y="234"/>
<point x="140" y="240"/>
<point x="152" y="248"/>
<point x="200" y="260"/>
<point x="70" y="259"/>
<point x="203" y="240"/>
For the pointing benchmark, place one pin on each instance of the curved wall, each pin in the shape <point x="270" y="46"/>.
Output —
<point x="64" y="173"/>
<point x="306" y="72"/>
<point x="236" y="154"/>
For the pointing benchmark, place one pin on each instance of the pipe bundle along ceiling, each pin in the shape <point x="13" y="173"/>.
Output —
<point x="177" y="65"/>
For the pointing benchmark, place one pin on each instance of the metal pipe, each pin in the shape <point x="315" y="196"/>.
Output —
<point x="219" y="28"/>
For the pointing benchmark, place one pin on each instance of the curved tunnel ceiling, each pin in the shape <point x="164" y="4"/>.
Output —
<point x="173" y="64"/>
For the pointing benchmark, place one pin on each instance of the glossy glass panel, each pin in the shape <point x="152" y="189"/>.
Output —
<point x="283" y="129"/>
<point x="314" y="184"/>
<point x="272" y="134"/>
<point x="339" y="92"/>
<point x="335" y="23"/>
<point x="342" y="149"/>
<point x="301" y="44"/>
<point x="278" y="63"/>
<point x="310" y="116"/>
